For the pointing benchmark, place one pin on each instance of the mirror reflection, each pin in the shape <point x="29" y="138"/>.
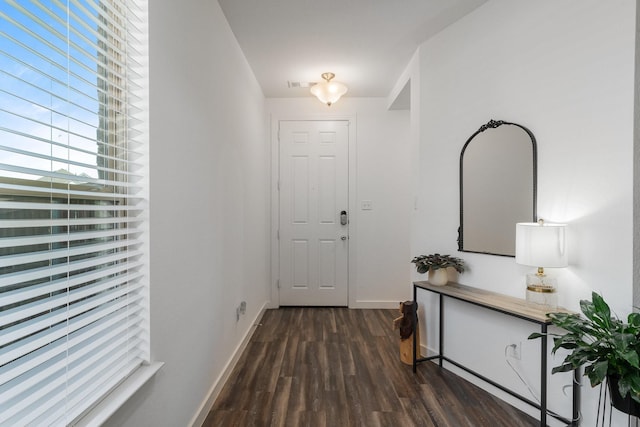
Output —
<point x="497" y="187"/>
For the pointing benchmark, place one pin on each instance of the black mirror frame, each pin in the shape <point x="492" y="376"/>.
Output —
<point x="492" y="124"/>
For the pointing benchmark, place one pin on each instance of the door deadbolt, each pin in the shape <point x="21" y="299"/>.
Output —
<point x="344" y="220"/>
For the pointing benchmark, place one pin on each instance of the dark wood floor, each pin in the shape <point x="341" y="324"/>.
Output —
<point x="340" y="367"/>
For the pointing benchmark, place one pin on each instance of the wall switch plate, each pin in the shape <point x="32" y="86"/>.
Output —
<point x="366" y="205"/>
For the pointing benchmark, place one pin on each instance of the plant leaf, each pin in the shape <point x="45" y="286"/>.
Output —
<point x="598" y="372"/>
<point x="631" y="356"/>
<point x="634" y="380"/>
<point x="634" y="319"/>
<point x="565" y="367"/>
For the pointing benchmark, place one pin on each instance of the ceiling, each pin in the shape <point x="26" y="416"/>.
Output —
<point x="366" y="43"/>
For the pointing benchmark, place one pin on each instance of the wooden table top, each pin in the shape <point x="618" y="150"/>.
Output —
<point x="511" y="305"/>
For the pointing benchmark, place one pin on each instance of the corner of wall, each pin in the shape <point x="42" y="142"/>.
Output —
<point x="400" y="96"/>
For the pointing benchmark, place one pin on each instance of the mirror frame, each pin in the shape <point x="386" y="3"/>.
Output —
<point x="492" y="124"/>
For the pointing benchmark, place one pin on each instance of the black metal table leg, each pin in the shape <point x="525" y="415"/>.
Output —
<point x="440" y="331"/>
<point x="543" y="376"/>
<point x="415" y="327"/>
<point x="576" y="397"/>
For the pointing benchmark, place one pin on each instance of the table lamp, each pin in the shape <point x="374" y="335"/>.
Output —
<point x="541" y="245"/>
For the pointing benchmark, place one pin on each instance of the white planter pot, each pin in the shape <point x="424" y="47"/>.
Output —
<point x="438" y="277"/>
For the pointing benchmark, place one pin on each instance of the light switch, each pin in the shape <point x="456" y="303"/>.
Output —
<point x="366" y="205"/>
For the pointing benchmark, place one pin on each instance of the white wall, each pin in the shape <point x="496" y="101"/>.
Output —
<point x="209" y="208"/>
<point x="565" y="70"/>
<point x="381" y="235"/>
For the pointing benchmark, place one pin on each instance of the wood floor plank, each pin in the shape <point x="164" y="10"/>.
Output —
<point x="355" y="401"/>
<point x="335" y="367"/>
<point x="414" y="408"/>
<point x="334" y="374"/>
<point x="280" y="402"/>
<point x="290" y="356"/>
<point x="260" y="409"/>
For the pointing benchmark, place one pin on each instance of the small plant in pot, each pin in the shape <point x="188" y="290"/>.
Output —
<point x="606" y="346"/>
<point x="436" y="265"/>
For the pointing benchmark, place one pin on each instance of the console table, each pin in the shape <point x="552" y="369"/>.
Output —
<point x="510" y="306"/>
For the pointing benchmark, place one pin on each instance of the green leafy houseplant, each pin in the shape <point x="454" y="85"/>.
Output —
<point x="606" y="346"/>
<point x="424" y="263"/>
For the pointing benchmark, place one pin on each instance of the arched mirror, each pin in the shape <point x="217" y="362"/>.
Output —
<point x="498" y="166"/>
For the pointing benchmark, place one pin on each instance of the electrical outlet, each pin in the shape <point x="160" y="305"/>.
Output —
<point x="515" y="351"/>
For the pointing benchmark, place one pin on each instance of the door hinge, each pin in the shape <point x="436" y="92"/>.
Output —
<point x="278" y="234"/>
<point x="278" y="185"/>
<point x="278" y="283"/>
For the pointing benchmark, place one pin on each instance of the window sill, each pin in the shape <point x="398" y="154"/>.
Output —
<point x="99" y="414"/>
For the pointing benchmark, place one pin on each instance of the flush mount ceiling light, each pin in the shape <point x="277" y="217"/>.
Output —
<point x="328" y="92"/>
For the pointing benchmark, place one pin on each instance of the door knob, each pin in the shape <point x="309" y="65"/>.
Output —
<point x="343" y="238"/>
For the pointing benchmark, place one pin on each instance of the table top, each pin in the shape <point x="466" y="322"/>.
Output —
<point x="517" y="307"/>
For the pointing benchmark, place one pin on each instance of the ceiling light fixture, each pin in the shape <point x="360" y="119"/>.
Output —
<point x="328" y="92"/>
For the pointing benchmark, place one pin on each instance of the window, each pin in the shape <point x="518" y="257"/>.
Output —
<point x="73" y="196"/>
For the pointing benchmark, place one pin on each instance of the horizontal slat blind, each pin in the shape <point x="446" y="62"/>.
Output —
<point x="73" y="220"/>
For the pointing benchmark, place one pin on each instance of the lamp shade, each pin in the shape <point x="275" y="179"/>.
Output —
<point x="541" y="245"/>
<point x="328" y="91"/>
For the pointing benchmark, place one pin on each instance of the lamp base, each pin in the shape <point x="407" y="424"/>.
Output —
<point x="541" y="289"/>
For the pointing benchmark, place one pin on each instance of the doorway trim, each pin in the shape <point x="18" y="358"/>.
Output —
<point x="274" y="123"/>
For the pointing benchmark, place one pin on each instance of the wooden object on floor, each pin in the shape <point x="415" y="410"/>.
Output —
<point x="405" y="325"/>
<point x="329" y="367"/>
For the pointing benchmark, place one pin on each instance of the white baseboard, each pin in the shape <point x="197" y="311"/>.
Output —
<point x="215" y="390"/>
<point x="376" y="304"/>
<point x="424" y="350"/>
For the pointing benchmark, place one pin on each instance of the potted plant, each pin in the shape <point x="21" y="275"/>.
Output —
<point x="606" y="346"/>
<point x="436" y="265"/>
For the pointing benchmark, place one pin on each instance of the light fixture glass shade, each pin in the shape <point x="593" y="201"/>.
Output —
<point x="541" y="245"/>
<point x="328" y="92"/>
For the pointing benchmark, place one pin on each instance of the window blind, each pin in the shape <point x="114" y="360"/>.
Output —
<point x="73" y="196"/>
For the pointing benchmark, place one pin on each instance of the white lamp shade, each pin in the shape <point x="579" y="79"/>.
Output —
<point x="541" y="245"/>
<point x="329" y="92"/>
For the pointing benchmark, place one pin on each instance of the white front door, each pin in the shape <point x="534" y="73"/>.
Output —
<point x="314" y="242"/>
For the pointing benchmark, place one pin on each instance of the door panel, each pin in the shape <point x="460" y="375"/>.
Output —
<point x="327" y="190"/>
<point x="300" y="261"/>
<point x="300" y="195"/>
<point x="326" y="264"/>
<point x="314" y="245"/>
